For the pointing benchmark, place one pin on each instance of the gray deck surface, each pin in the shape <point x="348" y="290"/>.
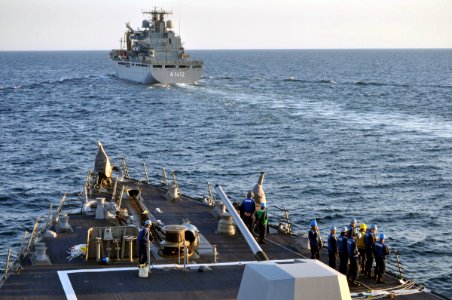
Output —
<point x="42" y="282"/>
<point x="220" y="283"/>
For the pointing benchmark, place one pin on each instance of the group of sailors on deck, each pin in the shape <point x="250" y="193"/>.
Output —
<point x="356" y="248"/>
<point x="255" y="218"/>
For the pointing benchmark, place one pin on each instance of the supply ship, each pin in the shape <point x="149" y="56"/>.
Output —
<point x="201" y="250"/>
<point x="154" y="54"/>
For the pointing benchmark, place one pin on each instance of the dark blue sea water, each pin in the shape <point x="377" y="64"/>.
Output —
<point x="341" y="134"/>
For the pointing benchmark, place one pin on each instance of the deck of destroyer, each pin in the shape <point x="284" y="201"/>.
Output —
<point x="217" y="267"/>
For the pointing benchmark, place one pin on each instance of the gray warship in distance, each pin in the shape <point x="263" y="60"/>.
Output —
<point x="154" y="54"/>
<point x="197" y="253"/>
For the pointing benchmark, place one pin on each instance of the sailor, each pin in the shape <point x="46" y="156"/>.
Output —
<point x="247" y="210"/>
<point x="145" y="239"/>
<point x="342" y="249"/>
<point x="362" y="247"/>
<point x="353" y="254"/>
<point x="261" y="222"/>
<point x="380" y="252"/>
<point x="315" y="240"/>
<point x="332" y="247"/>
<point x="351" y="229"/>
<point x="144" y="216"/>
<point x="369" y="240"/>
<point x="120" y="218"/>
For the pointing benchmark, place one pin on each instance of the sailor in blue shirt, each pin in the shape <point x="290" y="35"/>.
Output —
<point x="369" y="240"/>
<point x="315" y="241"/>
<point x="342" y="248"/>
<point x="247" y="210"/>
<point x="332" y="247"/>
<point x="353" y="254"/>
<point x="380" y="252"/>
<point x="351" y="229"/>
<point x="145" y="239"/>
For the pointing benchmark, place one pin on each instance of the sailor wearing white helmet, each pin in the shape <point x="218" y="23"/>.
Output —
<point x="369" y="240"/>
<point x="332" y="247"/>
<point x="145" y="238"/>
<point x="315" y="240"/>
<point x="353" y="254"/>
<point x="342" y="249"/>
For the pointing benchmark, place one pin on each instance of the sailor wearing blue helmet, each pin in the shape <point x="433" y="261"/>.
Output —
<point x="332" y="247"/>
<point x="380" y="251"/>
<point x="261" y="222"/>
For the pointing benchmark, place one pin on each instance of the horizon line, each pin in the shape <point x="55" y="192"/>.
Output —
<point x="233" y="49"/>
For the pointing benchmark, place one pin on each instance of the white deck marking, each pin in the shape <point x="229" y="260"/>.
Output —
<point x="70" y="293"/>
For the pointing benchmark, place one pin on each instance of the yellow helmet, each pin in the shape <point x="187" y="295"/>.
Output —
<point x="363" y="226"/>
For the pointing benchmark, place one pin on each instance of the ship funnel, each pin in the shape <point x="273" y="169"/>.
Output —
<point x="259" y="254"/>
<point x="259" y="194"/>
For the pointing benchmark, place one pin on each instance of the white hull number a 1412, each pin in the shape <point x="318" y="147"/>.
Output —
<point x="177" y="74"/>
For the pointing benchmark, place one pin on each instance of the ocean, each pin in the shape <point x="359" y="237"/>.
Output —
<point x="341" y="134"/>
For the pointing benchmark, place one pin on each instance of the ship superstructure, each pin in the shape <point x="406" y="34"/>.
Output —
<point x="154" y="53"/>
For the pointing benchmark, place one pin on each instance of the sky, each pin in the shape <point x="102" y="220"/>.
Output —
<point x="230" y="24"/>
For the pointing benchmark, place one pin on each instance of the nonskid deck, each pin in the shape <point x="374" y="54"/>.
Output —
<point x="88" y="280"/>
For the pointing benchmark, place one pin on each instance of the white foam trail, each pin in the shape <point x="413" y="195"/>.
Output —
<point x="435" y="126"/>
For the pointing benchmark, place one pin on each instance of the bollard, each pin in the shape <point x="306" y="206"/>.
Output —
<point x="40" y="257"/>
<point x="117" y="248"/>
<point x="130" y="240"/>
<point x="226" y="224"/>
<point x="64" y="224"/>
<point x="108" y="249"/>
<point x="98" y="241"/>
<point x="40" y="252"/>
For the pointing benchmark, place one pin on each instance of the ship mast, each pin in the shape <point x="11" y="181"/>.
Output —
<point x="158" y="18"/>
<point x="160" y="26"/>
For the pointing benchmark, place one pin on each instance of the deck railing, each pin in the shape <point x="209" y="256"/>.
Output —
<point x="284" y="224"/>
<point x="394" y="265"/>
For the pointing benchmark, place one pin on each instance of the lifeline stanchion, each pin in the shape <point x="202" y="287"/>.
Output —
<point x="146" y="176"/>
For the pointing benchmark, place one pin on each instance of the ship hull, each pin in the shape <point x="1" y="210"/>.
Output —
<point x="147" y="74"/>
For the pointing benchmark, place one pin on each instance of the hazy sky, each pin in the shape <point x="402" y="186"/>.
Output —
<point x="231" y="24"/>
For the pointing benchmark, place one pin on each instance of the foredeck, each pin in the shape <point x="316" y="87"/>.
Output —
<point x="80" y="279"/>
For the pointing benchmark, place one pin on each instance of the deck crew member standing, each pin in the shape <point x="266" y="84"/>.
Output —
<point x="342" y="248"/>
<point x="353" y="255"/>
<point x="369" y="240"/>
<point x="380" y="252"/>
<point x="352" y="229"/>
<point x="332" y="247"/>
<point x="261" y="222"/>
<point x="315" y="240"/>
<point x="247" y="210"/>
<point x="362" y="247"/>
<point x="145" y="239"/>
